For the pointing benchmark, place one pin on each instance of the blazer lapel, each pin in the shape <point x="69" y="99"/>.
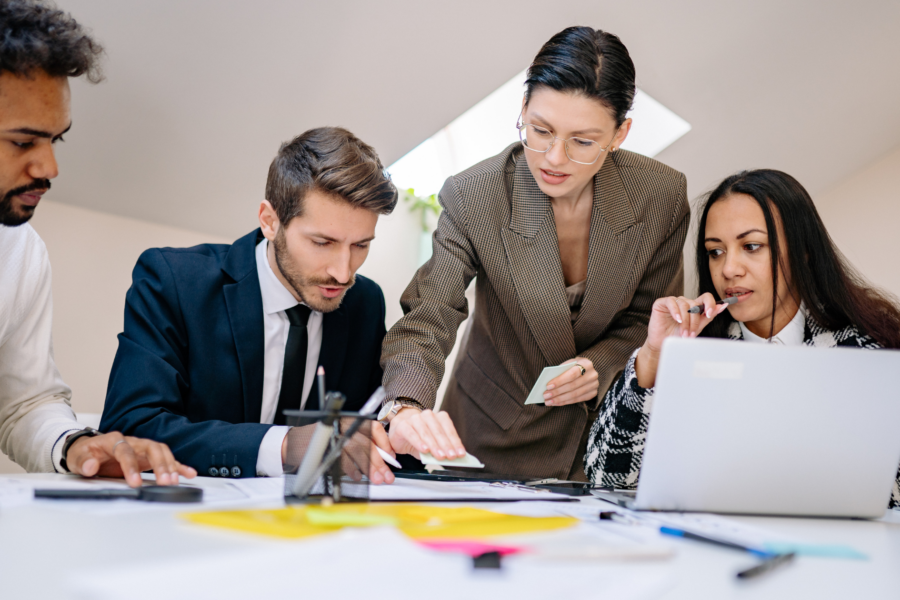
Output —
<point x="243" y="300"/>
<point x="532" y="251"/>
<point x="614" y="239"/>
<point x="335" y="334"/>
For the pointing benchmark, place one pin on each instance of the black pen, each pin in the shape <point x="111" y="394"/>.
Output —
<point x="702" y="538"/>
<point x="696" y="310"/>
<point x="766" y="566"/>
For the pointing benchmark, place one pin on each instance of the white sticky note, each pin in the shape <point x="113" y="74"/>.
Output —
<point x="468" y="461"/>
<point x="536" y="396"/>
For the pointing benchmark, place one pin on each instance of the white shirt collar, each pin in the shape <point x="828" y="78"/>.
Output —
<point x="275" y="296"/>
<point x="792" y="334"/>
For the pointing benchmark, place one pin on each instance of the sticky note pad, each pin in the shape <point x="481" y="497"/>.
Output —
<point x="536" y="396"/>
<point x="468" y="461"/>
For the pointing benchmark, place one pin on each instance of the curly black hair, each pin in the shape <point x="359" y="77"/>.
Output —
<point x="36" y="36"/>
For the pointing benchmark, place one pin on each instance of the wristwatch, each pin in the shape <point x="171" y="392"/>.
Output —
<point x="390" y="409"/>
<point x="86" y="432"/>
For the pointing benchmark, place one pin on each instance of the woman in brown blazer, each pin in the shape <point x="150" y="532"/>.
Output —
<point x="570" y="241"/>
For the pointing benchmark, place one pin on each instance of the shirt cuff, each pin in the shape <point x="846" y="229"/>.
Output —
<point x="56" y="453"/>
<point x="268" y="462"/>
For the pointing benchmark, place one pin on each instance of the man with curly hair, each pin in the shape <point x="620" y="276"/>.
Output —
<point x="40" y="48"/>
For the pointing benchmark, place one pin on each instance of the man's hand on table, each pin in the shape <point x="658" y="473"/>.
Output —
<point x="415" y="431"/>
<point x="115" y="455"/>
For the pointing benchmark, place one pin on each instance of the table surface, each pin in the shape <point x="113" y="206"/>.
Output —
<point x="42" y="547"/>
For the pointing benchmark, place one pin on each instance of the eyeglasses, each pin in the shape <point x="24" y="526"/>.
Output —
<point x="580" y="150"/>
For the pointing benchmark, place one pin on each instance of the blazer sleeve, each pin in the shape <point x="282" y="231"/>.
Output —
<point x="434" y="304"/>
<point x="149" y="379"/>
<point x="616" y="443"/>
<point x="664" y="276"/>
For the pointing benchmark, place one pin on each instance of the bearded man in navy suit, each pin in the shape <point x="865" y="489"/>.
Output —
<point x="220" y="339"/>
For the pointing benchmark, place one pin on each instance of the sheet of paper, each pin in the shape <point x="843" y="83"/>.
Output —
<point x="536" y="396"/>
<point x="435" y="491"/>
<point x="467" y="461"/>
<point x="444" y="575"/>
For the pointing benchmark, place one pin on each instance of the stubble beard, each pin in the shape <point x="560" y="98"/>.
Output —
<point x="299" y="281"/>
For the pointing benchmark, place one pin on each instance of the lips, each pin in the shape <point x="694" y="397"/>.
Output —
<point x="553" y="177"/>
<point x="331" y="292"/>
<point x="31" y="198"/>
<point x="742" y="294"/>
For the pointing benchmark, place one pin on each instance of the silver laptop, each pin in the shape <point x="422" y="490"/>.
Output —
<point x="767" y="429"/>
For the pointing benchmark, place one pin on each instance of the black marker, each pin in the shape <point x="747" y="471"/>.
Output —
<point x="766" y="566"/>
<point x="696" y="310"/>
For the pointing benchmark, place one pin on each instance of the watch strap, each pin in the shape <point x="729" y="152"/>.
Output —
<point x="86" y="432"/>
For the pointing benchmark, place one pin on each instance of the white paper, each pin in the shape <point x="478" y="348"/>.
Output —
<point x="435" y="491"/>
<point x="318" y="568"/>
<point x="536" y="395"/>
<point x="468" y="461"/>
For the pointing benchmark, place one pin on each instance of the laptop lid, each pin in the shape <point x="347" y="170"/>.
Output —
<point x="738" y="427"/>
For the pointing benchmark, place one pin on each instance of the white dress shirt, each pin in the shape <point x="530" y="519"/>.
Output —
<point x="790" y="335"/>
<point x="35" y="403"/>
<point x="275" y="300"/>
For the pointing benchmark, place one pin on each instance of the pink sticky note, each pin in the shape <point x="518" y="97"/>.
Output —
<point x="471" y="547"/>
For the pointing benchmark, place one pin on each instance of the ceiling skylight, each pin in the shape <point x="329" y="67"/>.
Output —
<point x="489" y="127"/>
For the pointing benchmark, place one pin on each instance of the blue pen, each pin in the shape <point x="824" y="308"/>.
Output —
<point x="700" y="538"/>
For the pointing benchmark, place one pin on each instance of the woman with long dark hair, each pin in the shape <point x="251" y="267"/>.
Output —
<point x="570" y="240"/>
<point x="760" y="240"/>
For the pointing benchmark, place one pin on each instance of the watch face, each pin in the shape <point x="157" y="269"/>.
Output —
<point x="385" y="410"/>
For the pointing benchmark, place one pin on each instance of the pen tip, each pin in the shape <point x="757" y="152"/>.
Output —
<point x="320" y="370"/>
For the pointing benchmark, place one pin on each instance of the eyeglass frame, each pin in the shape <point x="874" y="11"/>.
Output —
<point x="520" y="125"/>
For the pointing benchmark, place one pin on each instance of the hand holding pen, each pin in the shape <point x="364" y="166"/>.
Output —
<point x="674" y="316"/>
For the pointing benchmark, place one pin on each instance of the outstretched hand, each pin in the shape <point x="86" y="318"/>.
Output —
<point x="115" y="455"/>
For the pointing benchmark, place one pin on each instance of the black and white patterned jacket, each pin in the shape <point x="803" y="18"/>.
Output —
<point x="616" y="443"/>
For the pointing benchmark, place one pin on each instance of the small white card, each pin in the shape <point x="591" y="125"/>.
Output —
<point x="466" y="461"/>
<point x="536" y="396"/>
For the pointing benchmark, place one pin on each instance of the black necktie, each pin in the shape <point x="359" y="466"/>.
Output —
<point x="292" y="374"/>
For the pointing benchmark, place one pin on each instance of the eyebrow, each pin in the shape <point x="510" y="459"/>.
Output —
<point x="39" y="133"/>
<point x="581" y="131"/>
<point x="740" y="236"/>
<point x="331" y="239"/>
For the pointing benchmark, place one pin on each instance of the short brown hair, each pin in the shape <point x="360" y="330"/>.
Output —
<point x="330" y="160"/>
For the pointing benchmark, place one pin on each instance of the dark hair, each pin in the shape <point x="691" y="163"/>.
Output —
<point x="834" y="294"/>
<point x="35" y="36"/>
<point x="331" y="160"/>
<point x="586" y="61"/>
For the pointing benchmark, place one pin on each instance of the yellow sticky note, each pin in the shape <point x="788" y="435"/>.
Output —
<point x="418" y="521"/>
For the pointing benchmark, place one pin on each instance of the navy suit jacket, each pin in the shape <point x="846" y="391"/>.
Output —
<point x="189" y="368"/>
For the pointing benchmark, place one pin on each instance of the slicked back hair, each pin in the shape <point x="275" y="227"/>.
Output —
<point x="333" y="161"/>
<point x="35" y="36"/>
<point x="587" y="61"/>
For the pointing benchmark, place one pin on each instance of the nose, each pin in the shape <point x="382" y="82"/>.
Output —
<point x="43" y="165"/>
<point x="556" y="155"/>
<point x="340" y="268"/>
<point x="732" y="266"/>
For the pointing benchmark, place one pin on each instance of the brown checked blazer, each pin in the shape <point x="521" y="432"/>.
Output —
<point x="499" y="227"/>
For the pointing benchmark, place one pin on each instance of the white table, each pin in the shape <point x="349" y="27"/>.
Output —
<point x="42" y="547"/>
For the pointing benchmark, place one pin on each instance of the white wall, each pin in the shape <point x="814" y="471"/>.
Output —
<point x="862" y="214"/>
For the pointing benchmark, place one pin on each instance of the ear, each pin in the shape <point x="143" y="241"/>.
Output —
<point x="268" y="220"/>
<point x="621" y="134"/>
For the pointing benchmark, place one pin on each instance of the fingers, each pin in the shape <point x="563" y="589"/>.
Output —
<point x="124" y="454"/>
<point x="567" y="377"/>
<point x="580" y="389"/>
<point x="426" y="431"/>
<point x="379" y="472"/>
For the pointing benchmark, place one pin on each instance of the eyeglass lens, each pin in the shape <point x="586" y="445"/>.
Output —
<point x="577" y="149"/>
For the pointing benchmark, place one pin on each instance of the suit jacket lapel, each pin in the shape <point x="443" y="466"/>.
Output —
<point x="614" y="240"/>
<point x="245" y="314"/>
<point x="532" y="250"/>
<point x="335" y="333"/>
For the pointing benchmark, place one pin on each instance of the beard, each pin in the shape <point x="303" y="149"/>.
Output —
<point x="12" y="217"/>
<point x="305" y="286"/>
